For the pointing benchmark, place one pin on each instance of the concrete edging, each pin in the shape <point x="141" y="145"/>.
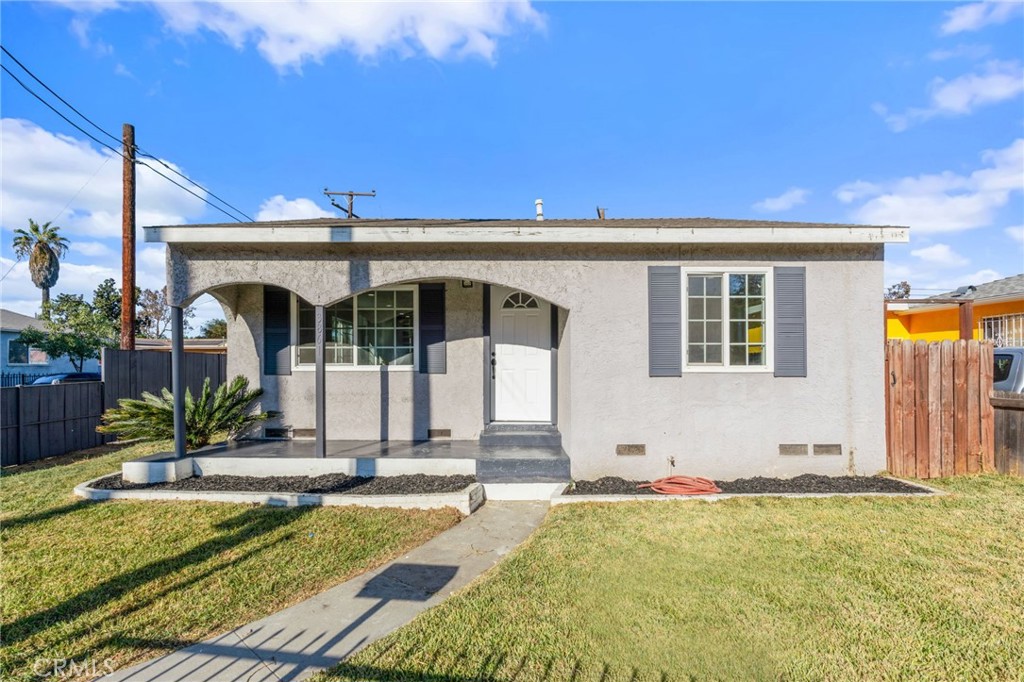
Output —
<point x="562" y="498"/>
<point x="466" y="501"/>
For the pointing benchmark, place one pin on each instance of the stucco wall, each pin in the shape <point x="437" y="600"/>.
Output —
<point x="716" y="424"/>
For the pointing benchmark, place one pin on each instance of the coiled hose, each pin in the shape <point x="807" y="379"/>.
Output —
<point x="683" y="485"/>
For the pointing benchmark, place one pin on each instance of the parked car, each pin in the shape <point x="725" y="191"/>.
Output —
<point x="67" y="378"/>
<point x="1009" y="370"/>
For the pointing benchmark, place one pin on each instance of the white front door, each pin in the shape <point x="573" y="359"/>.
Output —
<point x="521" y="347"/>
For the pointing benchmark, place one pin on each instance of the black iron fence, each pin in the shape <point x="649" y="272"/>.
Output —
<point x="19" y="378"/>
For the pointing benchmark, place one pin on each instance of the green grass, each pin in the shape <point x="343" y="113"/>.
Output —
<point x="128" y="580"/>
<point x="754" y="589"/>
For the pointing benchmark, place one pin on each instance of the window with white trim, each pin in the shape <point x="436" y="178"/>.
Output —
<point x="20" y="354"/>
<point x="726" y="319"/>
<point x="369" y="330"/>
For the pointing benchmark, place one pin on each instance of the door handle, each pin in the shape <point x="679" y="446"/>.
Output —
<point x="494" y="364"/>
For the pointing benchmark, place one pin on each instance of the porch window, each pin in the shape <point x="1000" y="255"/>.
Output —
<point x="372" y="329"/>
<point x="20" y="354"/>
<point x="726" y="322"/>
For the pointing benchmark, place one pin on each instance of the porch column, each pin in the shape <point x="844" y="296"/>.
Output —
<point x="178" y="377"/>
<point x="320" y="389"/>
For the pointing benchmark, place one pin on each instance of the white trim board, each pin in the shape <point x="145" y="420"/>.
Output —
<point x="248" y="233"/>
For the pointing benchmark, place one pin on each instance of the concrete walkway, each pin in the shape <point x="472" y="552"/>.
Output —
<point x="320" y="632"/>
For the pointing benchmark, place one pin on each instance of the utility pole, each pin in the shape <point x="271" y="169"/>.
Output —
<point x="351" y="200"/>
<point x="128" y="239"/>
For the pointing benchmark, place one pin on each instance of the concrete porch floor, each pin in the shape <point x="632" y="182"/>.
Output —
<point x="392" y="449"/>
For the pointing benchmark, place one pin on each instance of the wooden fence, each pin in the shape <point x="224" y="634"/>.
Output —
<point x="1009" y="432"/>
<point x="939" y="418"/>
<point x="128" y="373"/>
<point x="47" y="421"/>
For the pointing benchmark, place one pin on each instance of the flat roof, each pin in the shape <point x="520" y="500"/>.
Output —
<point x="580" y="231"/>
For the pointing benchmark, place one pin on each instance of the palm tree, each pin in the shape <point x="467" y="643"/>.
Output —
<point x="44" y="247"/>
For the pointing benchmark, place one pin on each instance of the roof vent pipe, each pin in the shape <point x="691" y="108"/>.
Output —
<point x="540" y="209"/>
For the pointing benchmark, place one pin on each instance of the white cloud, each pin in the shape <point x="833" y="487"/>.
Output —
<point x="42" y="171"/>
<point x="290" y="34"/>
<point x="960" y="51"/>
<point x="1016" y="233"/>
<point x="92" y="249"/>
<point x="858" y="189"/>
<point x="279" y="208"/>
<point x="924" y="281"/>
<point x="941" y="255"/>
<point x="943" y="202"/>
<point x="794" y="196"/>
<point x="998" y="81"/>
<point x="977" y="15"/>
<point x="122" y="70"/>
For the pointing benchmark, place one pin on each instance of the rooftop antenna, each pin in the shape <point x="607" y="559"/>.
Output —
<point x="351" y="199"/>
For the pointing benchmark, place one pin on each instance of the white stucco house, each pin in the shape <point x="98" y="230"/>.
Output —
<point x="639" y="348"/>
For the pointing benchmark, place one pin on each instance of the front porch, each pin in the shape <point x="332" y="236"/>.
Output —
<point x="491" y="464"/>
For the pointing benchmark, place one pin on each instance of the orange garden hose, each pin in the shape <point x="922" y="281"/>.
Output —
<point x="682" y="485"/>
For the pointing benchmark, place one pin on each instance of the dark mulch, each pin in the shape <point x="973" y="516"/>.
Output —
<point x="805" y="483"/>
<point x="412" y="484"/>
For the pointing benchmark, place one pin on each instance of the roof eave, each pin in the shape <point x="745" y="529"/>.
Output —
<point x="526" y="233"/>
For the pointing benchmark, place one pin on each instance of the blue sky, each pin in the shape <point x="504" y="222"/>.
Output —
<point x="882" y="113"/>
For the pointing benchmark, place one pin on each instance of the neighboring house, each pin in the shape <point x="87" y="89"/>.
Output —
<point x="700" y="346"/>
<point x="208" y="346"/>
<point x="17" y="358"/>
<point x="998" y="314"/>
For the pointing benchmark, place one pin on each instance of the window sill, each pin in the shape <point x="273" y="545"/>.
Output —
<point x="728" y="370"/>
<point x="363" y="368"/>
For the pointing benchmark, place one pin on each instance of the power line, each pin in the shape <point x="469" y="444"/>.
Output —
<point x="116" y="151"/>
<point x="113" y="137"/>
<point x="66" y="103"/>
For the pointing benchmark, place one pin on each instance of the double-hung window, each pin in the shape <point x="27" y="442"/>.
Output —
<point x="369" y="330"/>
<point x="726" y="319"/>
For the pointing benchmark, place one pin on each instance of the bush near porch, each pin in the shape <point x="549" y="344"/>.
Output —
<point x="754" y="589"/>
<point x="126" y="581"/>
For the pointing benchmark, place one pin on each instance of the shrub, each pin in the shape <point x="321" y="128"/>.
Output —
<point x="152" y="418"/>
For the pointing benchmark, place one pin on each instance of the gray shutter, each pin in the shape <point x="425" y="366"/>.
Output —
<point x="433" y="347"/>
<point x="664" y="320"/>
<point x="790" y="322"/>
<point x="277" y="331"/>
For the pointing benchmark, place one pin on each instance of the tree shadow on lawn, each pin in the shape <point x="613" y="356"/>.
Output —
<point x="244" y="527"/>
<point x="46" y="515"/>
<point x="493" y="668"/>
<point x="70" y="458"/>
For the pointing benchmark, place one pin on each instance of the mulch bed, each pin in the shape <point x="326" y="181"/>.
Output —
<point x="805" y="483"/>
<point x="335" y="484"/>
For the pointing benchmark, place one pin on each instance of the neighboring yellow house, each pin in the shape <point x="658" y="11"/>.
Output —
<point x="998" y="314"/>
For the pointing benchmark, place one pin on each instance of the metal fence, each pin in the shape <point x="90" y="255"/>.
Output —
<point x="19" y="378"/>
<point x="37" y="422"/>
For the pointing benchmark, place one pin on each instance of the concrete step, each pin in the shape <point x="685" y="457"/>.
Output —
<point x="521" y="434"/>
<point x="523" y="470"/>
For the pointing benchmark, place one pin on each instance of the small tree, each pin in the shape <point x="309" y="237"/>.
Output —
<point x="214" y="329"/>
<point x="106" y="301"/>
<point x="898" y="291"/>
<point x="73" y="328"/>
<point x="155" y="314"/>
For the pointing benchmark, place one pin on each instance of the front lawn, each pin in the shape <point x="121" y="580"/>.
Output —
<point x="744" y="589"/>
<point x="125" y="581"/>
